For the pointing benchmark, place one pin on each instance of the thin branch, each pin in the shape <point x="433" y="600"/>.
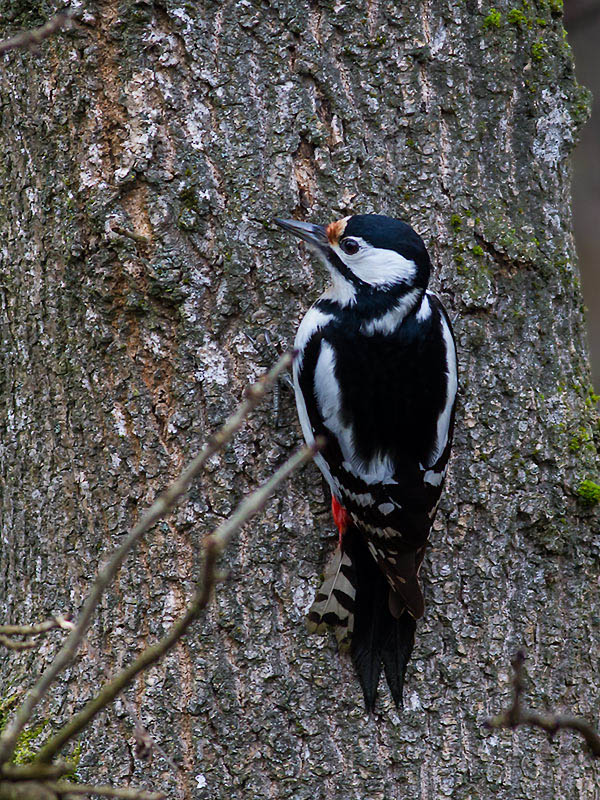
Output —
<point x="8" y="631"/>
<point x="125" y="792"/>
<point x="106" y="574"/>
<point x="41" y="627"/>
<point x="16" y="644"/>
<point x="517" y="715"/>
<point x="26" y="790"/>
<point x="137" y="237"/>
<point x="33" y="772"/>
<point x="29" y="39"/>
<point x="214" y="545"/>
<point x="145" y="745"/>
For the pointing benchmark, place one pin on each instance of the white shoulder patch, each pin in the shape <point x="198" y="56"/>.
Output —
<point x="313" y="320"/>
<point x="327" y="389"/>
<point x="443" y="423"/>
<point x="380" y="469"/>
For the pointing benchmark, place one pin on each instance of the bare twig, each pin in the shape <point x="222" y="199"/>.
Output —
<point x="16" y="644"/>
<point x="137" y="237"/>
<point x="214" y="546"/>
<point x="145" y="744"/>
<point x="31" y="772"/>
<point x="29" y="39"/>
<point x="41" y="627"/>
<point x="517" y="715"/>
<point x="126" y="793"/>
<point x="106" y="574"/>
<point x="8" y="631"/>
<point x="26" y="790"/>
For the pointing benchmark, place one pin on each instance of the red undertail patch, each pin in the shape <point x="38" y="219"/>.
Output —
<point x="340" y="516"/>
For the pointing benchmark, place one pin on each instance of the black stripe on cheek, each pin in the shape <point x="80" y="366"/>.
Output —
<point x="337" y="263"/>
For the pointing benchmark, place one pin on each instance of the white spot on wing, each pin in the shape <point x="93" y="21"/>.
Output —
<point x="373" y="470"/>
<point x="424" y="311"/>
<point x="434" y="478"/>
<point x="386" y="508"/>
<point x="364" y="499"/>
<point x="378" y="470"/>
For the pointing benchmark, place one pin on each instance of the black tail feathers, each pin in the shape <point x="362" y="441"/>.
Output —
<point x="378" y="638"/>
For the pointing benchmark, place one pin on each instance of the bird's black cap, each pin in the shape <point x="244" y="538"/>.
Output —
<point x="389" y="234"/>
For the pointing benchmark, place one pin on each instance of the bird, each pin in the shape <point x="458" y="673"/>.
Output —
<point x="376" y="375"/>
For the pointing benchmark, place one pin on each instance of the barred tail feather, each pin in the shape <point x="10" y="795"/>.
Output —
<point x="354" y="599"/>
<point x="334" y="602"/>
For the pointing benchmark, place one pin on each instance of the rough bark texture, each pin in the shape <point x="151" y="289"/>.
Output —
<point x="193" y="124"/>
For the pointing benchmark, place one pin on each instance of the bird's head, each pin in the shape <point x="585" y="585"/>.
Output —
<point x="367" y="254"/>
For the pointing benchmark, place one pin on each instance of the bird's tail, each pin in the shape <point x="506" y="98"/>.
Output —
<point x="354" y="601"/>
<point x="334" y="603"/>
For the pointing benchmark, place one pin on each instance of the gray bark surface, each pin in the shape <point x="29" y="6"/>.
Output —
<point x="193" y="124"/>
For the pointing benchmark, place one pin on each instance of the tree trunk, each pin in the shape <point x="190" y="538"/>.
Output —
<point x="192" y="125"/>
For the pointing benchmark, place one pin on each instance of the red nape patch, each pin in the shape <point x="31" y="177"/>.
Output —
<point x="340" y="516"/>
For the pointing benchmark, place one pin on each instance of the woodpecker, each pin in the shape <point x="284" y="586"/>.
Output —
<point x="376" y="375"/>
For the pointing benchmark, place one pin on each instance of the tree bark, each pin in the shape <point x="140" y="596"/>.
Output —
<point x="191" y="125"/>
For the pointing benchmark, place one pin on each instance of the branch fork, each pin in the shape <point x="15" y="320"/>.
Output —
<point x="517" y="715"/>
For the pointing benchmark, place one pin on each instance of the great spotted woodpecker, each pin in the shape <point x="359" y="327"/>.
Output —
<point x="376" y="375"/>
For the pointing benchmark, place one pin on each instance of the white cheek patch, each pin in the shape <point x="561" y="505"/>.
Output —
<point x="377" y="266"/>
<point x="341" y="290"/>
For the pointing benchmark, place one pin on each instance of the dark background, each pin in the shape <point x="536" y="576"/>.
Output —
<point x="582" y="19"/>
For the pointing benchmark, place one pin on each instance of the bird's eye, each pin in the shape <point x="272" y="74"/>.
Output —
<point x="350" y="246"/>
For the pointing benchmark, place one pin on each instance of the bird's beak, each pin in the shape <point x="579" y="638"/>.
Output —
<point x="314" y="235"/>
